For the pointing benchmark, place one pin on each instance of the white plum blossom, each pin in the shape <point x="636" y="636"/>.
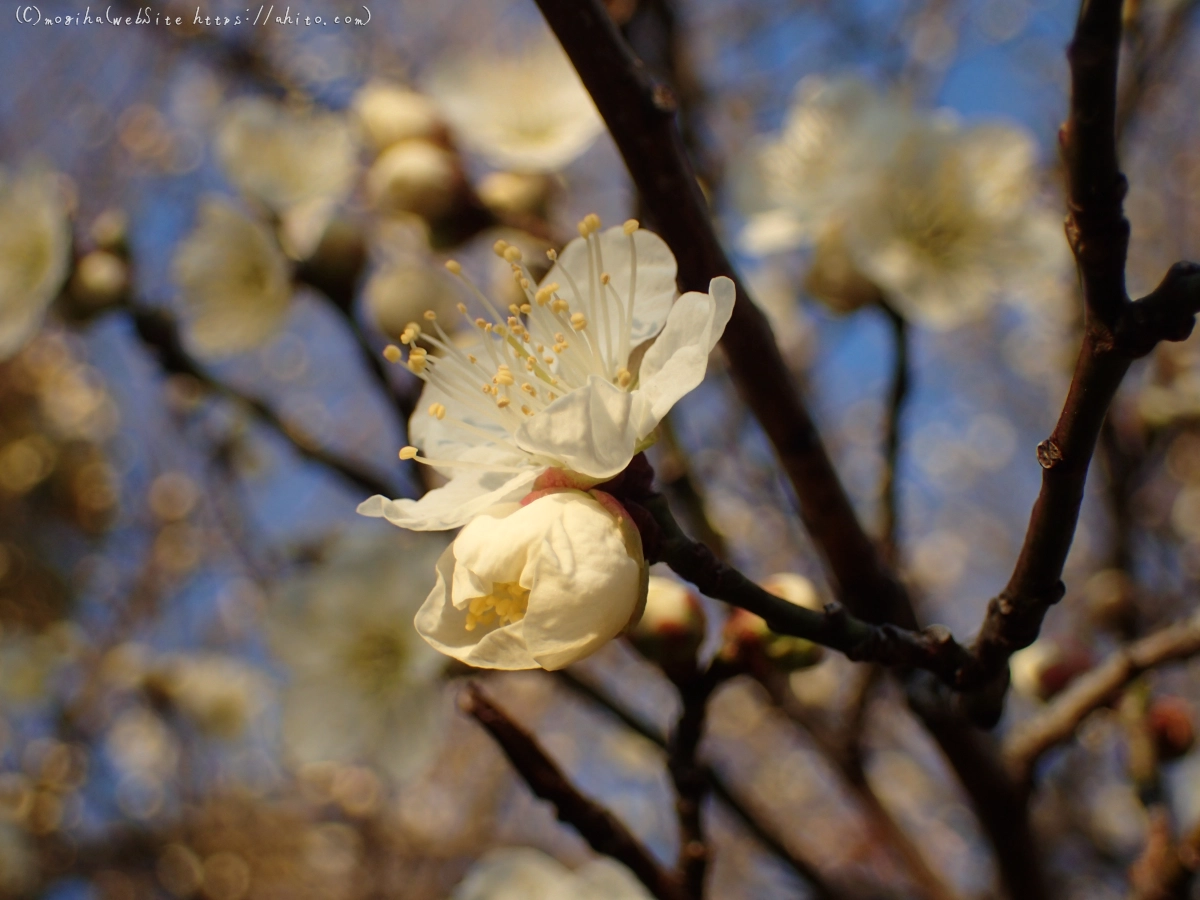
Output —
<point x="234" y="281"/>
<point x="389" y="113"/>
<point x="556" y="384"/>
<point x="544" y="583"/>
<point x="220" y="694"/>
<point x="936" y="219"/>
<point x="363" y="687"/>
<point x="526" y="111"/>
<point x="522" y="873"/>
<point x="299" y="164"/>
<point x="35" y="253"/>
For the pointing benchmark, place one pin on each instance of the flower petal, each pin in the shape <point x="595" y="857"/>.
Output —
<point x="452" y="505"/>
<point x="585" y="585"/>
<point x="655" y="283"/>
<point x="590" y="431"/>
<point x="676" y="362"/>
<point x="444" y="627"/>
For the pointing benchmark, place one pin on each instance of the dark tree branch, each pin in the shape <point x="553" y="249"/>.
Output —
<point x="603" y="832"/>
<point x="721" y="790"/>
<point x="932" y="649"/>
<point x="1116" y="331"/>
<point x="689" y="775"/>
<point x="897" y="395"/>
<point x="159" y="332"/>
<point x="640" y="114"/>
<point x="1058" y="721"/>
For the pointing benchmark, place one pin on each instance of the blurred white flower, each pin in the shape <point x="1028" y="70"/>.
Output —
<point x="233" y="279"/>
<point x="526" y="110"/>
<point x="940" y="219"/>
<point x="18" y="862"/>
<point x="522" y="873"/>
<point x="555" y="390"/>
<point x="416" y="176"/>
<point x="389" y="113"/>
<point x="541" y="584"/>
<point x="298" y="164"/>
<point x="220" y="694"/>
<point x="363" y="687"/>
<point x="29" y="661"/>
<point x="35" y="253"/>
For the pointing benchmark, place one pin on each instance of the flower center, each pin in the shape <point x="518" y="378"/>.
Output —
<point x="504" y="605"/>
<point x="551" y="344"/>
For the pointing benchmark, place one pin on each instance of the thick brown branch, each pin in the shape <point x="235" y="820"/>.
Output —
<point x="640" y="114"/>
<point x="159" y="332"/>
<point x="897" y="395"/>
<point x="603" y="832"/>
<point x="1058" y="721"/>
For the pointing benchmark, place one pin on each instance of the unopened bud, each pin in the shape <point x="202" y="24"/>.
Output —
<point x="417" y="177"/>
<point x="389" y="114"/>
<point x="1045" y="667"/>
<point x="672" y="626"/>
<point x="749" y="639"/>
<point x="514" y="193"/>
<point x="1170" y="723"/>
<point x="101" y="279"/>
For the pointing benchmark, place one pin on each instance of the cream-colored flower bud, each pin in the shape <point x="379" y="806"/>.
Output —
<point x="417" y="177"/>
<point x="537" y="585"/>
<point x="399" y="294"/>
<point x="389" y="114"/>
<point x="101" y="279"/>
<point x="672" y="627"/>
<point x="834" y="279"/>
<point x="514" y="193"/>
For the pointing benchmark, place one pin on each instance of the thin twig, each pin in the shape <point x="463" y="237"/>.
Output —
<point x="1058" y="721"/>
<point x="159" y="332"/>
<point x="720" y="787"/>
<point x="603" y="832"/>
<point x="897" y="395"/>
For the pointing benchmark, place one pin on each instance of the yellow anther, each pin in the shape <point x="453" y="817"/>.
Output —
<point x="529" y="389"/>
<point x="583" y="228"/>
<point x="489" y="389"/>
<point x="503" y="402"/>
<point x="548" y="360"/>
<point x="431" y="316"/>
<point x="552" y="255"/>
<point x="560" y="337"/>
<point x="623" y="377"/>
<point x="500" y="330"/>
<point x="553" y="396"/>
<point x="524" y="282"/>
<point x="578" y="321"/>
<point x="514" y="309"/>
<point x="530" y="363"/>
<point x="471" y="358"/>
<point x="481" y="322"/>
<point x="499" y="247"/>
<point x="437" y="410"/>
<point x="559" y="305"/>
<point x="462" y="308"/>
<point x="526" y="308"/>
<point x="630" y="226"/>
<point x="527" y="410"/>
<point x="408" y="452"/>
<point x="545" y="292"/>
<point x="593" y="222"/>
<point x="605" y="278"/>
<point x="411" y="332"/>
<point x="392" y="353"/>
<point x="503" y="377"/>
<point x="512" y="254"/>
<point x="453" y="266"/>
<point x="417" y="362"/>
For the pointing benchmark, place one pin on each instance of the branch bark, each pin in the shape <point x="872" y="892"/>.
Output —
<point x="1058" y="721"/>
<point x="603" y="832"/>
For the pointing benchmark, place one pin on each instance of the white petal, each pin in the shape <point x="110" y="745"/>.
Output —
<point x="585" y="585"/>
<point x="453" y="505"/>
<point x="444" y="626"/>
<point x="774" y="231"/>
<point x="590" y="431"/>
<point x="655" y="283"/>
<point x="676" y="362"/>
<point x="518" y="873"/>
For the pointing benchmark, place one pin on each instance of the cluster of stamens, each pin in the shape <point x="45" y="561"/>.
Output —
<point x="506" y="604"/>
<point x="546" y="346"/>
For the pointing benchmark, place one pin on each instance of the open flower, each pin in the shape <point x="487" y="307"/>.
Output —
<point x="556" y="384"/>
<point x="525" y="111"/>
<point x="35" y="252"/>
<point x="234" y="281"/>
<point x="544" y="583"/>
<point x="937" y="219"/>
<point x="522" y="873"/>
<point x="298" y="164"/>
<point x="363" y="686"/>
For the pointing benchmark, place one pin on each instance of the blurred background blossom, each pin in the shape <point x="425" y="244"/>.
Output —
<point x="210" y="685"/>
